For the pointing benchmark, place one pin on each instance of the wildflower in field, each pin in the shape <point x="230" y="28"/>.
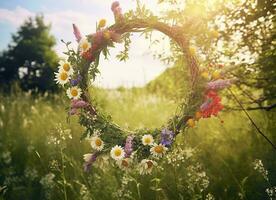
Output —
<point x="97" y="143"/>
<point x="146" y="166"/>
<point x="117" y="153"/>
<point x="77" y="103"/>
<point x="114" y="5"/>
<point x="216" y="75"/>
<point x="87" y="55"/>
<point x="167" y="137"/>
<point x="102" y="23"/>
<point x="198" y="115"/>
<point x="84" y="45"/>
<point x="128" y="146"/>
<point x="124" y="164"/>
<point x="147" y="140"/>
<point x="74" y="92"/>
<point x="218" y="84"/>
<point x="191" y="123"/>
<point x="117" y="10"/>
<point x="76" y="81"/>
<point x="89" y="159"/>
<point x="47" y="181"/>
<point x="65" y="66"/>
<point x="62" y="77"/>
<point x="258" y="166"/>
<point x="271" y="192"/>
<point x="212" y="104"/>
<point x="158" y="150"/>
<point x="77" y="33"/>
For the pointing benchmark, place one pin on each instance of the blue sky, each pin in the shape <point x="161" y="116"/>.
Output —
<point x="137" y="71"/>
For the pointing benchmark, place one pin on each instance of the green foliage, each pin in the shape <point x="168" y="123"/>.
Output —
<point x="41" y="155"/>
<point x="30" y="58"/>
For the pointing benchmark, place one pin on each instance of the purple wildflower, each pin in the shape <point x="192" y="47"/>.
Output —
<point x="128" y="146"/>
<point x="77" y="33"/>
<point x="219" y="84"/>
<point x="87" y="165"/>
<point x="76" y="81"/>
<point x="167" y="137"/>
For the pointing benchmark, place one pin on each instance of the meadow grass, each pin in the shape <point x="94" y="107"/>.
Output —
<point x="41" y="153"/>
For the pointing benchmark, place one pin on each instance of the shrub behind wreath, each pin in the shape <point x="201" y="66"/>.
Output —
<point x="141" y="148"/>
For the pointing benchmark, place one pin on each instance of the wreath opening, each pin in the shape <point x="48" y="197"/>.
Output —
<point x="140" y="149"/>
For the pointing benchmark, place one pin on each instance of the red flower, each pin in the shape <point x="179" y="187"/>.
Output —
<point x="212" y="104"/>
<point x="88" y="55"/>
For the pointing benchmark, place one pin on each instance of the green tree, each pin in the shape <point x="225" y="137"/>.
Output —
<point x="30" y="58"/>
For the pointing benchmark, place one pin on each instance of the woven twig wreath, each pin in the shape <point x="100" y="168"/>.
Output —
<point x="141" y="148"/>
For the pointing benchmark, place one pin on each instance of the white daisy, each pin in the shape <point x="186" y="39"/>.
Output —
<point x="84" y="45"/>
<point x="124" y="164"/>
<point x="97" y="143"/>
<point x="158" y="150"/>
<point x="74" y="92"/>
<point x="62" y="77"/>
<point x="147" y="140"/>
<point x="65" y="66"/>
<point x="146" y="166"/>
<point x="117" y="153"/>
<point x="87" y="157"/>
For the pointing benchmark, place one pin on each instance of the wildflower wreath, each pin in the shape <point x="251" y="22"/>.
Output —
<point x="141" y="148"/>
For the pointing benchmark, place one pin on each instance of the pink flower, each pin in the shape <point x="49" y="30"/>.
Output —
<point x="98" y="37"/>
<point x="77" y="33"/>
<point x="218" y="84"/>
<point x="76" y="104"/>
<point x="73" y="111"/>
<point x="117" y="11"/>
<point x="114" y="5"/>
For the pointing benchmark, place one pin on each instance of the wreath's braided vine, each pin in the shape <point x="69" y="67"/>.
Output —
<point x="201" y="101"/>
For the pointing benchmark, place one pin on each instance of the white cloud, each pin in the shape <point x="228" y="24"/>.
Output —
<point x="14" y="17"/>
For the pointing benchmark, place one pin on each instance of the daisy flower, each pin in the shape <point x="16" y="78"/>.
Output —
<point x="65" y="66"/>
<point x="158" y="150"/>
<point x="74" y="92"/>
<point x="62" y="77"/>
<point x="146" y="166"/>
<point x="84" y="45"/>
<point x="124" y="164"/>
<point x="97" y="143"/>
<point x="147" y="140"/>
<point x="117" y="153"/>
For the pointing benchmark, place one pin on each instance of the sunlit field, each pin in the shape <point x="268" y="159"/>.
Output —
<point x="137" y="100"/>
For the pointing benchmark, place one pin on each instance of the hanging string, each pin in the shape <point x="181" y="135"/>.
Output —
<point x="251" y="120"/>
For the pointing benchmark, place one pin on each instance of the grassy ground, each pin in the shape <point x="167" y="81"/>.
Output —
<point x="41" y="154"/>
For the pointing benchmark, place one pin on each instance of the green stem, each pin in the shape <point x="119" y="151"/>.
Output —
<point x="63" y="175"/>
